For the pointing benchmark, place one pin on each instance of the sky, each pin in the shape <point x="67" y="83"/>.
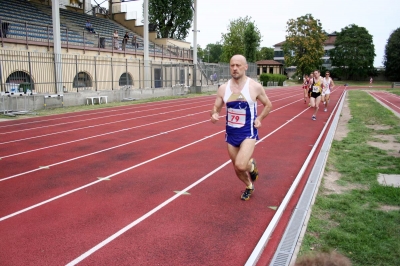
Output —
<point x="380" y="18"/>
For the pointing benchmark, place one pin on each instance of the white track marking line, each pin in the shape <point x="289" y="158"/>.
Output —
<point x="60" y="132"/>
<point x="106" y="177"/>
<point x="124" y="170"/>
<point x="98" y="125"/>
<point x="99" y="135"/>
<point x="91" y="119"/>
<point x="382" y="99"/>
<point x="160" y="206"/>
<point x="113" y="147"/>
<point x="98" y="111"/>
<point x="94" y="113"/>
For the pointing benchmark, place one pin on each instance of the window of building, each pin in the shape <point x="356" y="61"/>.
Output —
<point x="82" y="80"/>
<point x="125" y="79"/>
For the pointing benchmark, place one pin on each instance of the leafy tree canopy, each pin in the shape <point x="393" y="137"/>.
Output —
<point x="304" y="44"/>
<point x="233" y="42"/>
<point x="251" y="42"/>
<point x="172" y="19"/>
<point x="391" y="59"/>
<point x="354" y="52"/>
<point x="212" y="53"/>
<point x="265" y="53"/>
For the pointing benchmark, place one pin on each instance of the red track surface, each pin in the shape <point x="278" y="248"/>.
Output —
<point x="389" y="99"/>
<point x="54" y="214"/>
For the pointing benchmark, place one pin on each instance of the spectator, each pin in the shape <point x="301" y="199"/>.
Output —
<point x="134" y="42"/>
<point x="89" y="27"/>
<point x="125" y="40"/>
<point x="115" y="40"/>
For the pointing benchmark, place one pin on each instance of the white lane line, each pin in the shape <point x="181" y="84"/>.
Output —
<point x="383" y="99"/>
<point x="106" y="177"/>
<point x="99" y="135"/>
<point x="254" y="256"/>
<point x="93" y="153"/>
<point x="102" y="117"/>
<point x="122" y="171"/>
<point x="137" y="106"/>
<point x="98" y="125"/>
<point x="85" y="155"/>
<point x="105" y="110"/>
<point x="60" y="132"/>
<point x="148" y="214"/>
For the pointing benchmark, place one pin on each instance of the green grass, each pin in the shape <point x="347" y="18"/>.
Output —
<point x="352" y="222"/>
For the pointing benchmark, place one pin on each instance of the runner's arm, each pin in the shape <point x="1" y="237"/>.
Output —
<point x="219" y="102"/>
<point x="263" y="98"/>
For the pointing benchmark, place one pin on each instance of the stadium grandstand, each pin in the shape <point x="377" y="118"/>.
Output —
<point x="89" y="64"/>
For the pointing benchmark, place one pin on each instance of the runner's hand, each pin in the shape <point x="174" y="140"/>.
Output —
<point x="257" y="123"/>
<point x="214" y="117"/>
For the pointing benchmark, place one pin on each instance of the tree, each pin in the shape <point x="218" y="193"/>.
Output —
<point x="251" y="42"/>
<point x="212" y="53"/>
<point x="233" y="41"/>
<point x="265" y="53"/>
<point x="200" y="51"/>
<point x="172" y="19"/>
<point x="392" y="56"/>
<point x="354" y="52"/>
<point x="304" y="44"/>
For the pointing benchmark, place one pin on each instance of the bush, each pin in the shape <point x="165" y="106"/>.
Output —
<point x="265" y="78"/>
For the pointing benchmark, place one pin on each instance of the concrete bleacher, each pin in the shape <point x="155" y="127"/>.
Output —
<point x="27" y="21"/>
<point x="103" y="27"/>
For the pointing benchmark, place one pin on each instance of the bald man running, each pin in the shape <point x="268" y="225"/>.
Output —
<point x="240" y="94"/>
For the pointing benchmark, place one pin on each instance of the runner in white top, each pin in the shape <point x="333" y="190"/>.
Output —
<point x="326" y="92"/>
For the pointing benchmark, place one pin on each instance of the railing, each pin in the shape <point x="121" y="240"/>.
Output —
<point x="42" y="35"/>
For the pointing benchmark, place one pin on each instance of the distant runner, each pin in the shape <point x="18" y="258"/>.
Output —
<point x="326" y="92"/>
<point x="317" y="86"/>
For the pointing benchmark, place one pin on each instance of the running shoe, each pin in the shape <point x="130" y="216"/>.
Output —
<point x="247" y="193"/>
<point x="254" y="174"/>
<point x="314" y="118"/>
<point x="325" y="110"/>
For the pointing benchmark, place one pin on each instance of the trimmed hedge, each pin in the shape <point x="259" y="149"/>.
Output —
<point x="273" y="77"/>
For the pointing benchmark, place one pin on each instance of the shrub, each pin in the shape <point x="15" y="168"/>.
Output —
<point x="265" y="78"/>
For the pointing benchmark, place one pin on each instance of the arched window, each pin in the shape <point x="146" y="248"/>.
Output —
<point x="125" y="79"/>
<point x="82" y="79"/>
<point x="20" y="77"/>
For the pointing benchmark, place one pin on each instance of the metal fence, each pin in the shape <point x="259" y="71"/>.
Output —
<point x="33" y="72"/>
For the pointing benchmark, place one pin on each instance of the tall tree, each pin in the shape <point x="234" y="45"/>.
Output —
<point x="304" y="44"/>
<point x="212" y="52"/>
<point x="391" y="59"/>
<point x="354" y="52"/>
<point x="251" y="42"/>
<point x="265" y="53"/>
<point x="233" y="41"/>
<point x="172" y="19"/>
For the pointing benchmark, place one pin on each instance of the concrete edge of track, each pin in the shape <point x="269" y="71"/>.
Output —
<point x="258" y="250"/>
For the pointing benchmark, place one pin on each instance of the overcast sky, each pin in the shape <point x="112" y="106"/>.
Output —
<point x="380" y="18"/>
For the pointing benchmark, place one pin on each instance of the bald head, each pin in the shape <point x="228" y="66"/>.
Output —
<point x="240" y="58"/>
<point x="238" y="66"/>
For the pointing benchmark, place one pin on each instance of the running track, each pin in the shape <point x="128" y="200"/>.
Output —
<point x="146" y="184"/>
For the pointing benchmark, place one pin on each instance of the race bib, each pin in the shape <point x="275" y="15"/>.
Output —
<point x="236" y="117"/>
<point x="315" y="89"/>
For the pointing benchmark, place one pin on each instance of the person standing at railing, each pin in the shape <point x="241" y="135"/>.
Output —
<point x="134" y="42"/>
<point x="115" y="40"/>
<point x="125" y="40"/>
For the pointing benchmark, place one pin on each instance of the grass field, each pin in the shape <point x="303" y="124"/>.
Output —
<point x="361" y="220"/>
